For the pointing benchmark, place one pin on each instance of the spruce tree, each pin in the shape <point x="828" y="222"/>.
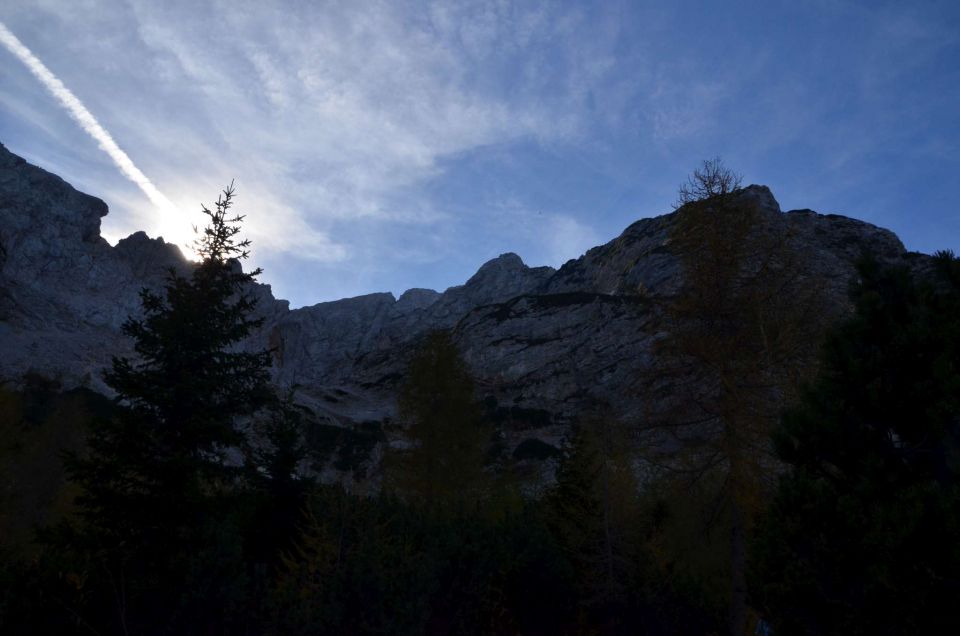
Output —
<point x="155" y="484"/>
<point x="593" y="511"/>
<point x="276" y="489"/>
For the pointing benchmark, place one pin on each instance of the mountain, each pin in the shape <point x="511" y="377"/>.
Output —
<point x="546" y="346"/>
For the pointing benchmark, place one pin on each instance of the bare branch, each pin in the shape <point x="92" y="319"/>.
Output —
<point x="711" y="180"/>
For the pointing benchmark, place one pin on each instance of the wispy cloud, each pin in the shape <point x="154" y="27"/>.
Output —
<point x="335" y="122"/>
<point x="567" y="238"/>
<point x="333" y="116"/>
<point x="551" y="237"/>
<point x="86" y="120"/>
<point x="374" y="140"/>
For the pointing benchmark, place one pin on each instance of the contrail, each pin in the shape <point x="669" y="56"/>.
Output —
<point x="85" y="118"/>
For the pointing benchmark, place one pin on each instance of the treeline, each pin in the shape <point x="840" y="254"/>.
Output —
<point x="451" y="544"/>
<point x="792" y="489"/>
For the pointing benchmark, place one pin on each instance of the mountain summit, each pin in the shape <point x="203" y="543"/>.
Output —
<point x="546" y="346"/>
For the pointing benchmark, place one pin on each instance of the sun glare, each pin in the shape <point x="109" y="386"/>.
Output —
<point x="176" y="226"/>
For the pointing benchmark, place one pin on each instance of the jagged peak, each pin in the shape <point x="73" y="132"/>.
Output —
<point x="417" y="298"/>
<point x="139" y="239"/>
<point x="762" y="196"/>
<point x="37" y="196"/>
<point x="507" y="261"/>
<point x="364" y="300"/>
<point x="145" y="254"/>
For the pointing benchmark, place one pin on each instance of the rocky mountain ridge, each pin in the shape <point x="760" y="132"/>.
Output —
<point x="545" y="345"/>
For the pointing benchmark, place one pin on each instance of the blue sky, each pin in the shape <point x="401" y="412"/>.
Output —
<point x="378" y="146"/>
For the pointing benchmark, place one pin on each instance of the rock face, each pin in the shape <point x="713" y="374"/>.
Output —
<point x="64" y="291"/>
<point x="545" y="345"/>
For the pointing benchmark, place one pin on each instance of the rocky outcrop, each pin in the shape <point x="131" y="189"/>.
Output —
<point x="64" y="291"/>
<point x="545" y="345"/>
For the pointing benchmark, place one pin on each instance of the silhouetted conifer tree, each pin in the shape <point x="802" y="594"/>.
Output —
<point x="445" y="464"/>
<point x="593" y="512"/>
<point x="274" y="454"/>
<point x="155" y="482"/>
<point x="742" y="331"/>
<point x="862" y="536"/>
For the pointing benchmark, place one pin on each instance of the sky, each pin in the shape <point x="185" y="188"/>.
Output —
<point x="379" y="146"/>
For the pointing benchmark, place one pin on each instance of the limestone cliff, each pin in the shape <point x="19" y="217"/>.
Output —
<point x="545" y="345"/>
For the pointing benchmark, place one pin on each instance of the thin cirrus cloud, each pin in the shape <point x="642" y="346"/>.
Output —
<point x="375" y="142"/>
<point x="339" y="125"/>
<point x="87" y="121"/>
<point x="356" y="110"/>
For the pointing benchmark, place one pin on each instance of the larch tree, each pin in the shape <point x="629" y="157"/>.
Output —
<point x="712" y="180"/>
<point x="742" y="331"/>
<point x="445" y="465"/>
